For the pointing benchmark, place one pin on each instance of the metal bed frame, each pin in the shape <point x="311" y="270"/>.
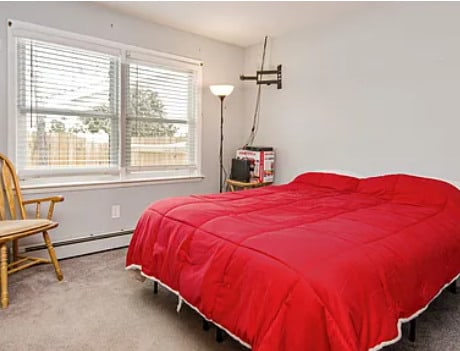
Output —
<point x="413" y="323"/>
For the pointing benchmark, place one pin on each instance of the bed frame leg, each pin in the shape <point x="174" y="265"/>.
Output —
<point x="412" y="325"/>
<point x="206" y="325"/>
<point x="219" y="335"/>
<point x="453" y="287"/>
<point x="155" y="288"/>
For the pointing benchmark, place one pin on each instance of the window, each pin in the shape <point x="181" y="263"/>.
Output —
<point x="67" y="112"/>
<point x="87" y="107"/>
<point x="159" y="100"/>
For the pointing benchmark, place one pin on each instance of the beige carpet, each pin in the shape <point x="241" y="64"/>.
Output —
<point x="100" y="306"/>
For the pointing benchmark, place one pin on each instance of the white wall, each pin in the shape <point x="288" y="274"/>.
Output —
<point x="88" y="212"/>
<point x="378" y="92"/>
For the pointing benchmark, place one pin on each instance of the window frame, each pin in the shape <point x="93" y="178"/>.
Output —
<point x="121" y="173"/>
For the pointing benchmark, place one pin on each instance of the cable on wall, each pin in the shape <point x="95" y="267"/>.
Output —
<point x="259" y="78"/>
<point x="255" y="120"/>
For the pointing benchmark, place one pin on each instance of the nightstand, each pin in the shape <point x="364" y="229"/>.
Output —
<point x="235" y="185"/>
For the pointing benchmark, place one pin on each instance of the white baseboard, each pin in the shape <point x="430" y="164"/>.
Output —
<point x="81" y="246"/>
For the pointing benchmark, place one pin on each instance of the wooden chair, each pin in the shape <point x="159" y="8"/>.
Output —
<point x="14" y="225"/>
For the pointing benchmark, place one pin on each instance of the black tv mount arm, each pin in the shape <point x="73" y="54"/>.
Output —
<point x="259" y="77"/>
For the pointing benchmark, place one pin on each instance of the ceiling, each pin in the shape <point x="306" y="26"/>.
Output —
<point x="242" y="23"/>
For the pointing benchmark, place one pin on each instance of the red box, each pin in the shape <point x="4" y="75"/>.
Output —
<point x="262" y="164"/>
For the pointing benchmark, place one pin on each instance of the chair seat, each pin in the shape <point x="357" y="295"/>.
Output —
<point x="12" y="227"/>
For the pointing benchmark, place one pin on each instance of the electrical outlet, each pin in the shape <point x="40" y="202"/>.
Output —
<point x="116" y="211"/>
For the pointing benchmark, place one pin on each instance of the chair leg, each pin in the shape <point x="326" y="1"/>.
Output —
<point x="52" y="254"/>
<point x="4" y="275"/>
<point x="15" y="250"/>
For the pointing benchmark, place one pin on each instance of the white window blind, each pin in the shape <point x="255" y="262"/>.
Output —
<point x="161" y="116"/>
<point x="91" y="110"/>
<point x="67" y="113"/>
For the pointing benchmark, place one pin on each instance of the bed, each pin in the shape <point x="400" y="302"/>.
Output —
<point x="326" y="262"/>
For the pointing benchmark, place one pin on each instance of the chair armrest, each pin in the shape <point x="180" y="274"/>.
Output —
<point x="44" y="199"/>
<point x="52" y="201"/>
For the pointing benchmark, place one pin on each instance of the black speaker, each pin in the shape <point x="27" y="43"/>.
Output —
<point x="240" y="170"/>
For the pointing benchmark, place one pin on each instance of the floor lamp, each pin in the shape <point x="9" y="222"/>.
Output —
<point x="221" y="91"/>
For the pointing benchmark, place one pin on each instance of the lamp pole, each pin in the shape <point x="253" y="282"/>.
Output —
<point x="221" y="155"/>
<point x="221" y="91"/>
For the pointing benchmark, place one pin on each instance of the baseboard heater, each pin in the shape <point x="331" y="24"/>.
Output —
<point x="83" y="245"/>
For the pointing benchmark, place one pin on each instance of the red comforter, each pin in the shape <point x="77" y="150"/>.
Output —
<point x="326" y="262"/>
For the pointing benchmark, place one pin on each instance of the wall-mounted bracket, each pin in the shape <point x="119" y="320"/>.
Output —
<point x="259" y="77"/>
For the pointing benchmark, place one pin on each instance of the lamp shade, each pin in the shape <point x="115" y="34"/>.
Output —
<point x="221" y="90"/>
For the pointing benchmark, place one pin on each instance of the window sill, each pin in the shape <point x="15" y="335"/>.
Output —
<point x="104" y="184"/>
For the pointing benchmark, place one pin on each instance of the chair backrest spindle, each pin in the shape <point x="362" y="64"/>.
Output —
<point x="2" y="198"/>
<point x="10" y="192"/>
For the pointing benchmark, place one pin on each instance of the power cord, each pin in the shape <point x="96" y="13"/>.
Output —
<point x="256" y="117"/>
